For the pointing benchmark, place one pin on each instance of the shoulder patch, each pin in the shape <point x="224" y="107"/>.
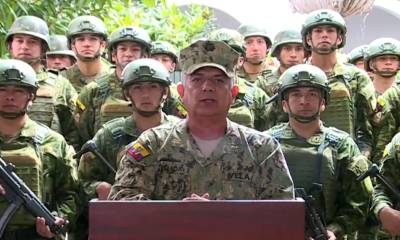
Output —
<point x="138" y="152"/>
<point x="80" y="105"/>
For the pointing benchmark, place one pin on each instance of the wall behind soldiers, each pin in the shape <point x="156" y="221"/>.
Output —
<point x="278" y="15"/>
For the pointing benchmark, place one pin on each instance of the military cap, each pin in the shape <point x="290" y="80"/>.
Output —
<point x="209" y="53"/>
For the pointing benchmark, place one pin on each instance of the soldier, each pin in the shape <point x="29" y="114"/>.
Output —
<point x="205" y="155"/>
<point x="27" y="40"/>
<point x="167" y="54"/>
<point x="321" y="156"/>
<point x="59" y="57"/>
<point x="288" y="49"/>
<point x="356" y="56"/>
<point x="249" y="106"/>
<point x="87" y="37"/>
<point x="352" y="94"/>
<point x="257" y="43"/>
<point x="102" y="100"/>
<point x="382" y="57"/>
<point x="145" y="84"/>
<point x="384" y="204"/>
<point x="42" y="158"/>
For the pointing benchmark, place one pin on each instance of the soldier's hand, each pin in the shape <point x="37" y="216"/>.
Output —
<point x="390" y="219"/>
<point x="195" y="197"/>
<point x="43" y="230"/>
<point x="2" y="190"/>
<point x="103" y="190"/>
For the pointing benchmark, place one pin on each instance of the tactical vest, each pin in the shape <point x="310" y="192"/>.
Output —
<point x="242" y="110"/>
<point x="110" y="104"/>
<point x="310" y="162"/>
<point x="26" y="157"/>
<point x="340" y="111"/>
<point x="43" y="108"/>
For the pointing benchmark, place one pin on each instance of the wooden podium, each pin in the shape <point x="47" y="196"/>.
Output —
<point x="183" y="220"/>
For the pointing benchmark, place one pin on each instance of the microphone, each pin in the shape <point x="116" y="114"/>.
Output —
<point x="371" y="172"/>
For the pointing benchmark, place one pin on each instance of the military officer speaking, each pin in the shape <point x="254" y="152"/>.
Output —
<point x="205" y="156"/>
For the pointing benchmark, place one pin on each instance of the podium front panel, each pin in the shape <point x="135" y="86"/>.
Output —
<point x="192" y="220"/>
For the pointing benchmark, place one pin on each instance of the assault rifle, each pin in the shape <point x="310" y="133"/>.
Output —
<point x="90" y="146"/>
<point x="315" y="227"/>
<point x="18" y="194"/>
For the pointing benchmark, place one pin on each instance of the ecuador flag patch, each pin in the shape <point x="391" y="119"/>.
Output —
<point x="138" y="152"/>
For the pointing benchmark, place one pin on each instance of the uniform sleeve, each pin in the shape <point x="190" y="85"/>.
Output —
<point x="365" y="104"/>
<point x="135" y="178"/>
<point x="85" y="113"/>
<point x="275" y="181"/>
<point x="61" y="178"/>
<point x="353" y="197"/>
<point x="65" y="107"/>
<point x="92" y="171"/>
<point x="260" y="98"/>
<point x="383" y="197"/>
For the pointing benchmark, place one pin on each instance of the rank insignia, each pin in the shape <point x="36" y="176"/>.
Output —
<point x="138" y="152"/>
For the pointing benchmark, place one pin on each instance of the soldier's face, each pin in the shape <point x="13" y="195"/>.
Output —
<point x="166" y="60"/>
<point x="256" y="49"/>
<point x="323" y="39"/>
<point x="385" y="64"/>
<point x="13" y="98"/>
<point x="146" y="96"/>
<point x="208" y="92"/>
<point x="360" y="64"/>
<point x="291" y="54"/>
<point x="88" y="47"/>
<point x="304" y="101"/>
<point x="25" y="48"/>
<point x="126" y="52"/>
<point x="58" y="62"/>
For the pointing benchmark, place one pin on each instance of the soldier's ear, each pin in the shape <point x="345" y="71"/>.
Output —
<point x="180" y="89"/>
<point x="285" y="106"/>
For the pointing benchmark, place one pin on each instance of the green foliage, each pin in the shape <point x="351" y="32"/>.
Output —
<point x="164" y="22"/>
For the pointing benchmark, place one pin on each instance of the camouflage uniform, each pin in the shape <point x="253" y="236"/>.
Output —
<point x="250" y="103"/>
<point x="78" y="26"/>
<point x="165" y="163"/>
<point x="110" y="141"/>
<point x="55" y="98"/>
<point x="384" y="130"/>
<point x="390" y="169"/>
<point x="249" y="106"/>
<point x="345" y="200"/>
<point x="74" y="75"/>
<point x="42" y="158"/>
<point x="326" y="164"/>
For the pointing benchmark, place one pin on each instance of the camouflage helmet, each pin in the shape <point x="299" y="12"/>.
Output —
<point x="231" y="37"/>
<point x="304" y="75"/>
<point x="86" y="24"/>
<point x="285" y="37"/>
<point x="248" y="30"/>
<point x="29" y="25"/>
<point x="324" y="17"/>
<point x="379" y="47"/>
<point x="59" y="46"/>
<point x="162" y="47"/>
<point x="132" y="34"/>
<point x="145" y="70"/>
<point x="357" y="53"/>
<point x="17" y="72"/>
